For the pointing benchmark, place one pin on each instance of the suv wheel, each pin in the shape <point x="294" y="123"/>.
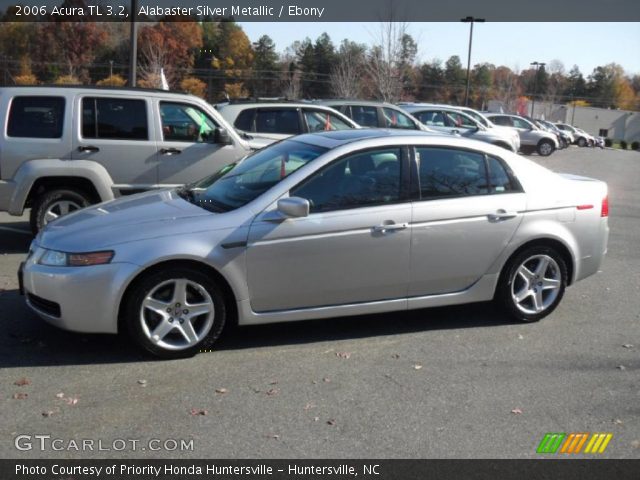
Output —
<point x="532" y="284"/>
<point x="53" y="204"/>
<point x="545" y="148"/>
<point x="582" y="142"/>
<point x="175" y="313"/>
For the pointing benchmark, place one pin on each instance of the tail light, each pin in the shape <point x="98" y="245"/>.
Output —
<point x="604" y="211"/>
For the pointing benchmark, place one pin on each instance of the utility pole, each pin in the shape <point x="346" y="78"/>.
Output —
<point x="470" y="20"/>
<point x="535" y="84"/>
<point x="133" y="58"/>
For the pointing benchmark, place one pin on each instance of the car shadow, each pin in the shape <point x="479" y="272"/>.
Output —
<point x="16" y="237"/>
<point x="30" y="342"/>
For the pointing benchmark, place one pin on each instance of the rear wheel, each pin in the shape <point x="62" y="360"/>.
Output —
<point x="175" y="313"/>
<point x="53" y="204"/>
<point x="532" y="284"/>
<point x="582" y="142"/>
<point x="545" y="148"/>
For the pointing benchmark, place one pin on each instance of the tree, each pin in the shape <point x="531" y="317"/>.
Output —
<point x="454" y="77"/>
<point x="265" y="66"/>
<point x="324" y="59"/>
<point x="482" y="81"/>
<point x="385" y="57"/>
<point x="507" y="89"/>
<point x="194" y="86"/>
<point x="408" y="77"/>
<point x="432" y="81"/>
<point x="112" y="81"/>
<point x="576" y="84"/>
<point x="346" y="75"/>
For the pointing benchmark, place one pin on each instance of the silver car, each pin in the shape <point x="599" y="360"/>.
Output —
<point x="321" y="225"/>
<point x="452" y="120"/>
<point x="532" y="138"/>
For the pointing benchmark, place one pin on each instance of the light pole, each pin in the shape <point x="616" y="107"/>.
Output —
<point x="470" y="20"/>
<point x="133" y="59"/>
<point x="535" y="84"/>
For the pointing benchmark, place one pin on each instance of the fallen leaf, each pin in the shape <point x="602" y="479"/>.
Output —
<point x="520" y="337"/>
<point x="309" y="406"/>
<point x="22" y="382"/>
<point x="60" y="395"/>
<point x="221" y="391"/>
<point x="345" y="355"/>
<point x="516" y="411"/>
<point x="395" y="355"/>
<point x="331" y="422"/>
<point x="274" y="436"/>
<point x="20" y="396"/>
<point x="326" y="380"/>
<point x="48" y="413"/>
<point x="273" y="391"/>
<point x="621" y="367"/>
<point x="627" y="345"/>
<point x="417" y="367"/>
<point x="617" y="421"/>
<point x="142" y="382"/>
<point x="71" y="400"/>
<point x="199" y="411"/>
<point x="273" y="382"/>
<point x="316" y="419"/>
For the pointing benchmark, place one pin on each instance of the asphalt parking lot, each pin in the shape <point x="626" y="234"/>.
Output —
<point x="441" y="383"/>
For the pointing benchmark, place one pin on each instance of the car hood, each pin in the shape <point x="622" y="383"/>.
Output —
<point x="147" y="215"/>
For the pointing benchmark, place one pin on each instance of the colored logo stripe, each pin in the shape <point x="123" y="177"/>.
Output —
<point x="551" y="442"/>
<point x="598" y="443"/>
<point x="574" y="443"/>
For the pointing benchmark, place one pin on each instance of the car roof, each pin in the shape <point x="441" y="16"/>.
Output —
<point x="372" y="103"/>
<point x="336" y="138"/>
<point x="41" y="89"/>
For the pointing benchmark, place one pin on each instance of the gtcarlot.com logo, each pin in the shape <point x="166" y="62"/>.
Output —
<point x="573" y="443"/>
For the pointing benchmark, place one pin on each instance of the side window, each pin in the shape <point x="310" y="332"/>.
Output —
<point x="519" y="123"/>
<point x="395" y="119"/>
<point x="461" y="121"/>
<point x="182" y="122"/>
<point x="114" y="119"/>
<point x="363" y="179"/>
<point x="245" y="120"/>
<point x="365" y="116"/>
<point x="446" y="172"/>
<point x="501" y="120"/>
<point x="36" y="117"/>
<point x="284" y="121"/>
<point x="431" y="117"/>
<point x="499" y="180"/>
<point x="320" y="120"/>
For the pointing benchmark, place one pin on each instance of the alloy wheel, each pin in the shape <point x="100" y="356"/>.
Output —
<point x="60" y="208"/>
<point x="536" y="284"/>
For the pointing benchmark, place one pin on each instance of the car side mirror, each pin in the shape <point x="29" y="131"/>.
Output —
<point x="294" y="207"/>
<point x="221" y="137"/>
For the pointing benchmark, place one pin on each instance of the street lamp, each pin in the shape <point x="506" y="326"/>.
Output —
<point x="133" y="59"/>
<point x="470" y="20"/>
<point x="535" y="84"/>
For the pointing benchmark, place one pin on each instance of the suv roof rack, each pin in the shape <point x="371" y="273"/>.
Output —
<point x="97" y="87"/>
<point x="263" y="100"/>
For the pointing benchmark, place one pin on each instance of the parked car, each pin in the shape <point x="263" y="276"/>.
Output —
<point x="591" y="141"/>
<point x="532" y="138"/>
<point x="317" y="226"/>
<point x="64" y="148"/>
<point x="375" y="114"/>
<point x="278" y="120"/>
<point x="452" y="120"/>
<point x="581" y="138"/>
<point x="565" y="137"/>
<point x="483" y="120"/>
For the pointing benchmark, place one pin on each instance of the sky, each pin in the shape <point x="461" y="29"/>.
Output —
<point x="515" y="45"/>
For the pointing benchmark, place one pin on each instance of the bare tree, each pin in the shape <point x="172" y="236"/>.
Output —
<point x="346" y="75"/>
<point x="384" y="62"/>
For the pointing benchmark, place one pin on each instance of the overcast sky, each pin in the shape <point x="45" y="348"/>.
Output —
<point x="515" y="45"/>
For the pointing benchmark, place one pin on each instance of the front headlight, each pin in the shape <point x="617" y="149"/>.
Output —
<point x="54" y="258"/>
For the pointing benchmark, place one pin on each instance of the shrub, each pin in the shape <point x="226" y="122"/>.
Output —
<point x="623" y="145"/>
<point x="67" y="80"/>
<point x="194" y="86"/>
<point x="608" y="142"/>
<point x="26" y="79"/>
<point x="635" y="145"/>
<point x="112" y="81"/>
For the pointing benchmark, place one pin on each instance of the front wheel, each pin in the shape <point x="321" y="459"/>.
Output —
<point x="532" y="284"/>
<point x="582" y="142"/>
<point x="53" y="204"/>
<point x="175" y="313"/>
<point x="545" y="148"/>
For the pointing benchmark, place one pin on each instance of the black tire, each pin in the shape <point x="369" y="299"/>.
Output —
<point x="133" y="317"/>
<point x="582" y="142"/>
<point x="545" y="148"/>
<point x="503" y="296"/>
<point x="47" y="199"/>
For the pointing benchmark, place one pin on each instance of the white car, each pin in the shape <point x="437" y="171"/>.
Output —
<point x="532" y="138"/>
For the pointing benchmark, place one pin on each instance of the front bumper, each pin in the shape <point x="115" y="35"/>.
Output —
<point x="81" y="299"/>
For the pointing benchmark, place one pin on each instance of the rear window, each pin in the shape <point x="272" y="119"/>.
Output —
<point x="114" y="119"/>
<point x="245" y="120"/>
<point x="36" y="117"/>
<point x="285" y="121"/>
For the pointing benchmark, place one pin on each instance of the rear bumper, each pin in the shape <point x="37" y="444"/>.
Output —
<point x="590" y="265"/>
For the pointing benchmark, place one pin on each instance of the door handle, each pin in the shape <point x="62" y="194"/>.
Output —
<point x="502" y="215"/>
<point x="170" y="151"/>
<point x="88" y="149"/>
<point x="384" y="228"/>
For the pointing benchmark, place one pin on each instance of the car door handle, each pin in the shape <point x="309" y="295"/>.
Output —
<point x="384" y="228"/>
<point x="88" y="148"/>
<point x="170" y="151"/>
<point x="502" y="215"/>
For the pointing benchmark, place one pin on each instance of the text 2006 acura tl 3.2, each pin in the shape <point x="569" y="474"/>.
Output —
<point x="321" y="225"/>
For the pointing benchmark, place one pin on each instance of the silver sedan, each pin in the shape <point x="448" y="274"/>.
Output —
<point x="321" y="225"/>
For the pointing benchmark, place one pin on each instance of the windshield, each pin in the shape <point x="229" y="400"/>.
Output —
<point x="479" y="118"/>
<point x="237" y="184"/>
